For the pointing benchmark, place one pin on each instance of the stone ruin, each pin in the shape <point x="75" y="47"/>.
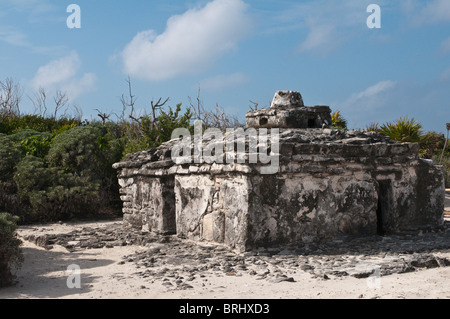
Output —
<point x="327" y="183"/>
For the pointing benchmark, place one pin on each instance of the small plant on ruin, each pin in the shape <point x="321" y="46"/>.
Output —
<point x="373" y="127"/>
<point x="403" y="130"/>
<point x="338" y="121"/>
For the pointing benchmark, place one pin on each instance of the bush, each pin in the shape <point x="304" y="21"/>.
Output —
<point x="338" y="121"/>
<point x="403" y="130"/>
<point x="31" y="142"/>
<point x="9" y="157"/>
<point x="88" y="153"/>
<point x="10" y="253"/>
<point x="11" y="124"/>
<point x="52" y="194"/>
<point x="431" y="144"/>
<point x="150" y="133"/>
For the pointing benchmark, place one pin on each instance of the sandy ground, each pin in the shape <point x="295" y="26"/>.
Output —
<point x="44" y="275"/>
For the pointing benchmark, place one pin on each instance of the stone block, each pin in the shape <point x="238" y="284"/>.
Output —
<point x="214" y="227"/>
<point x="287" y="99"/>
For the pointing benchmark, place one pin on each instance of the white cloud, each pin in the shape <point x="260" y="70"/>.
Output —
<point x="33" y="7"/>
<point x="445" y="46"/>
<point x="221" y="82"/>
<point x="427" y="12"/>
<point x="327" y="24"/>
<point x="445" y="75"/>
<point x="436" y="11"/>
<point x="319" y="37"/>
<point x="387" y="101"/>
<point x="61" y="75"/>
<point x="192" y="42"/>
<point x="12" y="36"/>
<point x="363" y="107"/>
<point x="372" y="91"/>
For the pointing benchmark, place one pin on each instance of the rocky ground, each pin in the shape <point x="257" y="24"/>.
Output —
<point x="179" y="264"/>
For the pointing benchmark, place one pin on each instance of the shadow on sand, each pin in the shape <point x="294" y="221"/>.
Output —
<point x="44" y="274"/>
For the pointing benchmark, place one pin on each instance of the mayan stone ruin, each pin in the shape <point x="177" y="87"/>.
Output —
<point x="321" y="183"/>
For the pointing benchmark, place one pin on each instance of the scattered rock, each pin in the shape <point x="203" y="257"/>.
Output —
<point x="170" y="260"/>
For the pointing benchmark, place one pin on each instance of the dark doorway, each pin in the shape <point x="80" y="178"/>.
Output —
<point x="169" y="224"/>
<point x="384" y="206"/>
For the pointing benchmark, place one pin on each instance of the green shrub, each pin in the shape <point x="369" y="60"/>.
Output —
<point x="338" y="121"/>
<point x="431" y="144"/>
<point x="52" y="194"/>
<point x="11" y="124"/>
<point x="10" y="253"/>
<point x="403" y="130"/>
<point x="151" y="133"/>
<point x="31" y="142"/>
<point x="88" y="152"/>
<point x="9" y="157"/>
<point x="373" y="127"/>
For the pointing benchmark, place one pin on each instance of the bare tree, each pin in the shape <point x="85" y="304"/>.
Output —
<point x="128" y="102"/>
<point x="216" y="118"/>
<point x="255" y="106"/>
<point x="40" y="102"/>
<point x="103" y="116"/>
<point x="10" y="97"/>
<point x="61" y="100"/>
<point x="78" y="112"/>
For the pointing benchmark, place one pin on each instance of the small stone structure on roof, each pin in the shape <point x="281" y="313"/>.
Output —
<point x="321" y="183"/>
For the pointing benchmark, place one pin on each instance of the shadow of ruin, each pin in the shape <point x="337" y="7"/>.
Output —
<point x="286" y="180"/>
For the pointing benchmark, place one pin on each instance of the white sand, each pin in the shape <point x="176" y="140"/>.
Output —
<point x="43" y="275"/>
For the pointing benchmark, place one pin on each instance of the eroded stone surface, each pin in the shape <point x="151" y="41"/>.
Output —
<point x="287" y="99"/>
<point x="326" y="183"/>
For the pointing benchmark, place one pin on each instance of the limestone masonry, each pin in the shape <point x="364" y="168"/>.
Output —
<point x="328" y="183"/>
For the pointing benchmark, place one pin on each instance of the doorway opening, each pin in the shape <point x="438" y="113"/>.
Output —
<point x="384" y="206"/>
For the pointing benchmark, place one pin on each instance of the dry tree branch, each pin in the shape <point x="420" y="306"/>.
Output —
<point x="103" y="116"/>
<point x="61" y="100"/>
<point x="10" y="97"/>
<point x="255" y="106"/>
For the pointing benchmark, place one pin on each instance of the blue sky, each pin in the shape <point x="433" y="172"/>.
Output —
<point x="235" y="51"/>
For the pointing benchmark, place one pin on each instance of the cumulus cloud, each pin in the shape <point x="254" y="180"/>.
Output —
<point x="61" y="74"/>
<point x="192" y="42"/>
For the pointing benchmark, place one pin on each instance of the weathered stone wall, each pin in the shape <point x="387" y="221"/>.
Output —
<point x="328" y="183"/>
<point x="149" y="203"/>
<point x="213" y="208"/>
<point x="147" y="191"/>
